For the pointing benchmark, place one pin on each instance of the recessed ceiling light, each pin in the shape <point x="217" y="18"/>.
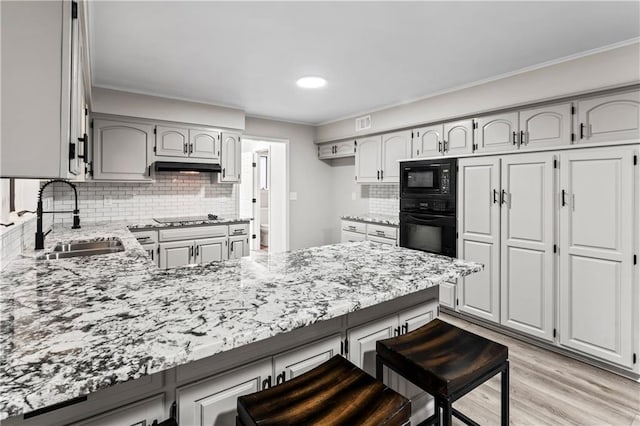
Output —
<point x="311" y="82"/>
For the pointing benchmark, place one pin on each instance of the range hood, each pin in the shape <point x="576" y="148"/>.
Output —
<point x="178" y="166"/>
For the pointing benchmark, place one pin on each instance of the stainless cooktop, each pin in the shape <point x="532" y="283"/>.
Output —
<point x="201" y="218"/>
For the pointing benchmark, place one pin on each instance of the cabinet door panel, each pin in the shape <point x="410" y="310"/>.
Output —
<point x="238" y="247"/>
<point x="609" y="118"/>
<point x="121" y="150"/>
<point x="596" y="269"/>
<point x="231" y="157"/>
<point x="349" y="236"/>
<point x="140" y="413"/>
<point x="368" y="159"/>
<point x="171" y="141"/>
<point x="427" y="141"/>
<point x="344" y="149"/>
<point x="496" y="132"/>
<point x="479" y="293"/>
<point x="395" y="146"/>
<point x="204" y="144"/>
<point x="458" y="137"/>
<point x="214" y="401"/>
<point x="478" y="198"/>
<point x="362" y="344"/>
<point x="300" y="360"/>
<point x="528" y="262"/>
<point x="546" y="126"/>
<point x="175" y="254"/>
<point x="448" y="295"/>
<point x="325" y="151"/>
<point x="211" y="250"/>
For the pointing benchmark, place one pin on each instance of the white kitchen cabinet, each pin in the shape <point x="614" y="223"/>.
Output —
<point x="596" y="246"/>
<point x="360" y="231"/>
<point x="350" y="237"/>
<point x="121" y="150"/>
<point x="298" y="361"/>
<point x="395" y="146"/>
<point x="548" y="126"/>
<point x="497" y="132"/>
<point x="238" y="246"/>
<point x="458" y="137"/>
<point x="231" y="154"/>
<point x="78" y="138"/>
<point x="213" y="401"/>
<point x="382" y="240"/>
<point x="368" y="159"/>
<point x="172" y="141"/>
<point x="141" y="413"/>
<point x="527" y="259"/>
<point x="427" y="141"/>
<point x="204" y="144"/>
<point x="448" y="295"/>
<point x="211" y="250"/>
<point x="330" y="150"/>
<point x="42" y="70"/>
<point x="479" y="236"/>
<point x="176" y="253"/>
<point x="609" y="118"/>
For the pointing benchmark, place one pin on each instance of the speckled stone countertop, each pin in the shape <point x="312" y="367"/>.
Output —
<point x="151" y="223"/>
<point x="374" y="218"/>
<point x="69" y="327"/>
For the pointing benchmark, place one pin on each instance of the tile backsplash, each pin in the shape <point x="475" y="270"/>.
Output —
<point x="171" y="194"/>
<point x="384" y="199"/>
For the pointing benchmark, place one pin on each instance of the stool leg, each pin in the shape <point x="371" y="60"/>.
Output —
<point x="436" y="411"/>
<point x="505" y="395"/>
<point x="379" y="374"/>
<point x="447" y="412"/>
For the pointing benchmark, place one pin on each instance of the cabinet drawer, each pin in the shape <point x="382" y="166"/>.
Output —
<point x="448" y="295"/>
<point x="381" y="240"/>
<point x="358" y="227"/>
<point x="350" y="237"/>
<point x="146" y="237"/>
<point x="178" y="234"/>
<point x="239" y="229"/>
<point x="382" y="231"/>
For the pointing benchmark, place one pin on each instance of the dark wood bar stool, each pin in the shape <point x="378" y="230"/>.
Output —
<point x="334" y="393"/>
<point x="446" y="362"/>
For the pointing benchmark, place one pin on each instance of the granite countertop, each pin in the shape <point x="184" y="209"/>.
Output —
<point x="70" y="327"/>
<point x="141" y="224"/>
<point x="374" y="218"/>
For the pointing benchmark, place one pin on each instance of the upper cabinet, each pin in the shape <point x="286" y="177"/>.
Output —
<point x="368" y="159"/>
<point x="427" y="141"/>
<point x="180" y="142"/>
<point x="231" y="153"/>
<point x="545" y="126"/>
<point x="497" y="132"/>
<point x="458" y="137"/>
<point x="377" y="157"/>
<point x="204" y="144"/>
<point x="43" y="103"/>
<point x="609" y="118"/>
<point x="171" y="141"/>
<point x="328" y="151"/>
<point x="121" y="150"/>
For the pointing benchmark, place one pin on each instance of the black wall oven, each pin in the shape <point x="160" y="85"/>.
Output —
<point x="428" y="206"/>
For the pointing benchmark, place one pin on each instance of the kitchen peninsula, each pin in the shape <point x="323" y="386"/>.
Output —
<point x="71" y="327"/>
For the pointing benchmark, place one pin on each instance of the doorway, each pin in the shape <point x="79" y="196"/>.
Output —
<point x="263" y="193"/>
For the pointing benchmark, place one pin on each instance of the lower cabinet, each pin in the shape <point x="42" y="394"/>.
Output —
<point x="142" y="413"/>
<point x="175" y="253"/>
<point x="211" y="250"/>
<point x="362" y="352"/>
<point x="352" y="231"/>
<point x="213" y="401"/>
<point x="238" y="246"/>
<point x="448" y="295"/>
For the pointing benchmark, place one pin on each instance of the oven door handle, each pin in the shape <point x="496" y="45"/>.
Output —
<point x="435" y="219"/>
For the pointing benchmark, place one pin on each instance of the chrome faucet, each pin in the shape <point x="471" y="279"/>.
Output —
<point x="76" y="218"/>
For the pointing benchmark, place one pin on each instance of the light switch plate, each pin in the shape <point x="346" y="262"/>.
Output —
<point x="293" y="196"/>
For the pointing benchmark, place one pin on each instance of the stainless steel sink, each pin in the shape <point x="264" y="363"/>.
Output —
<point x="83" y="248"/>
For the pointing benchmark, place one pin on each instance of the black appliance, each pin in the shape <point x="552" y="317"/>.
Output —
<point x="179" y="166"/>
<point x="428" y="206"/>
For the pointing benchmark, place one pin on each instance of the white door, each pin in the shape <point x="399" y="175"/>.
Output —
<point x="204" y="144"/>
<point x="172" y="141"/>
<point x="211" y="250"/>
<point x="326" y="150"/>
<point x="479" y="236"/>
<point x="344" y="149"/>
<point x="138" y="414"/>
<point x="527" y="259"/>
<point x="238" y="247"/>
<point x="298" y="361"/>
<point x="395" y="146"/>
<point x="609" y="118"/>
<point x="362" y="344"/>
<point x="596" y="252"/>
<point x="121" y="150"/>
<point x="368" y="159"/>
<point x="230" y="160"/>
<point x="546" y="126"/>
<point x="214" y="401"/>
<point x="176" y="253"/>
<point x="458" y="137"/>
<point x="497" y="132"/>
<point x="427" y="141"/>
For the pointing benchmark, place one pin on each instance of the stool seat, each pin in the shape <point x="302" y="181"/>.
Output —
<point x="440" y="357"/>
<point x="334" y="393"/>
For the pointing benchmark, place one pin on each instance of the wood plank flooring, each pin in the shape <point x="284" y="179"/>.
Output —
<point x="550" y="389"/>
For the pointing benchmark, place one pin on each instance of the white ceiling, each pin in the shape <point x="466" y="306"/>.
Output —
<point x="373" y="54"/>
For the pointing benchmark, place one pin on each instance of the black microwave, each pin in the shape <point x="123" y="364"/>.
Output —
<point x="428" y="177"/>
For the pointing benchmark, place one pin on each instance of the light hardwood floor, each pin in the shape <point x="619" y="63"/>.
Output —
<point x="550" y="389"/>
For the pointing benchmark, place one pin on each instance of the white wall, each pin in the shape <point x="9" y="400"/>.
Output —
<point x="601" y="70"/>
<point x="311" y="216"/>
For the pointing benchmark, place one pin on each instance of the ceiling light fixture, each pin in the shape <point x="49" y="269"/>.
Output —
<point x="311" y="82"/>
